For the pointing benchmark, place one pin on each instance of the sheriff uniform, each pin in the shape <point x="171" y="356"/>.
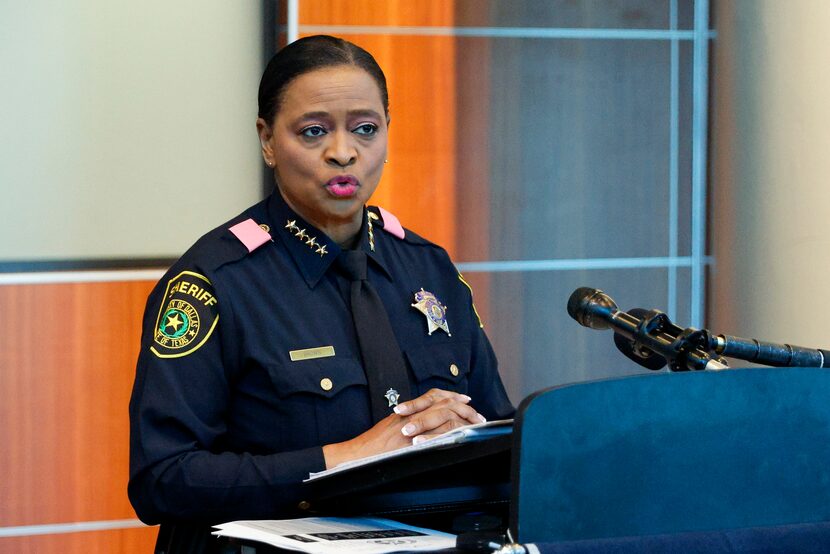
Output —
<point x="249" y="361"/>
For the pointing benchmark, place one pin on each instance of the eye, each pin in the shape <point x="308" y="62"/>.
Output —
<point x="366" y="129"/>
<point x="313" y="131"/>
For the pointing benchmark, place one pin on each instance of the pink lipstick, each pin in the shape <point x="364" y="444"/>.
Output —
<point x="343" y="186"/>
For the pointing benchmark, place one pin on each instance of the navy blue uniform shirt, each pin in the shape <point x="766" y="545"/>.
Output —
<point x="224" y="425"/>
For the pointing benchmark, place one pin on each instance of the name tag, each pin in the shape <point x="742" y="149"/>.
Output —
<point x="311" y="353"/>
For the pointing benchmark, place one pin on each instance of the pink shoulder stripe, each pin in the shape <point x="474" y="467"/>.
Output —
<point x="250" y="234"/>
<point x="391" y="224"/>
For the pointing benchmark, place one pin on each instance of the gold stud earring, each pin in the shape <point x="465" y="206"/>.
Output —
<point x="386" y="161"/>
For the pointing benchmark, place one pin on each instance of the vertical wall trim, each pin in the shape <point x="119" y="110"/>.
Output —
<point x="271" y="11"/>
<point x="293" y="20"/>
<point x="674" y="118"/>
<point x="700" y="83"/>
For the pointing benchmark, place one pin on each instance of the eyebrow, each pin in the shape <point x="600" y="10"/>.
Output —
<point x="351" y="113"/>
<point x="364" y="113"/>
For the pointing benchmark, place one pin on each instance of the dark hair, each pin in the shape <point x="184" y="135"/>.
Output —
<point x="308" y="54"/>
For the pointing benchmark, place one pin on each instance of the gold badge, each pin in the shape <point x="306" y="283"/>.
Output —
<point x="435" y="312"/>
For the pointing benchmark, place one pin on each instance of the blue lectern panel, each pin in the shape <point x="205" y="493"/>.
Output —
<point x="668" y="453"/>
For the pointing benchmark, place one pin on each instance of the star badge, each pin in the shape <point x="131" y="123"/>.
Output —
<point x="435" y="312"/>
<point x="392" y="396"/>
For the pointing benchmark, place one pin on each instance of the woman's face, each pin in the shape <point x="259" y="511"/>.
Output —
<point x="327" y="145"/>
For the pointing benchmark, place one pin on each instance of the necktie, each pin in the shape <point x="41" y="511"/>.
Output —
<point x="382" y="358"/>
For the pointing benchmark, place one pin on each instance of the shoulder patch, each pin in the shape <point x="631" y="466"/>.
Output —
<point x="187" y="316"/>
<point x="391" y="224"/>
<point x="250" y="234"/>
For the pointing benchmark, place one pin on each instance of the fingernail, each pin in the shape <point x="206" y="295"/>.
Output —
<point x="408" y="429"/>
<point x="401" y="409"/>
<point x="482" y="418"/>
<point x="419" y="439"/>
<point x="466" y="398"/>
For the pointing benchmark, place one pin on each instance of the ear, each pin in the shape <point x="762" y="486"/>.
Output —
<point x="265" y="133"/>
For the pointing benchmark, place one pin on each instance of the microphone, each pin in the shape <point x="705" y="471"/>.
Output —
<point x="594" y="309"/>
<point x="769" y="353"/>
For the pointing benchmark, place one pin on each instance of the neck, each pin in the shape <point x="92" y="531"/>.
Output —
<point x="345" y="237"/>
<point x="346" y="233"/>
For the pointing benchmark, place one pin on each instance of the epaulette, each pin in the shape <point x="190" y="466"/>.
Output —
<point x="389" y="223"/>
<point x="250" y="234"/>
<point x="228" y="243"/>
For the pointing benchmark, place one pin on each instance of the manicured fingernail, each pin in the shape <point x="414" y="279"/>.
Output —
<point x="482" y="418"/>
<point x="401" y="409"/>
<point x="419" y="439"/>
<point x="466" y="398"/>
<point x="408" y="429"/>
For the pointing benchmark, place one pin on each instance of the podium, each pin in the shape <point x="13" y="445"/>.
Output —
<point x="672" y="453"/>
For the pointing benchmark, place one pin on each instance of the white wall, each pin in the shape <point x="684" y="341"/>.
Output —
<point x="771" y="183"/>
<point x="126" y="128"/>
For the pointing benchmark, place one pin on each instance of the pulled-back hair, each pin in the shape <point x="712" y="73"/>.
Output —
<point x="308" y="54"/>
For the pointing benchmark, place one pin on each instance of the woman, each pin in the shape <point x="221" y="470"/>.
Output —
<point x="257" y="363"/>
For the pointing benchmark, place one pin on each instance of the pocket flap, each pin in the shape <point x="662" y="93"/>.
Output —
<point x="322" y="377"/>
<point x="447" y="361"/>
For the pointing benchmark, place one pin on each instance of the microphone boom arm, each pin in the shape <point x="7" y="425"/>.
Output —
<point x="595" y="309"/>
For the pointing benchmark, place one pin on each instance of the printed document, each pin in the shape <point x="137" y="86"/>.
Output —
<point x="330" y="535"/>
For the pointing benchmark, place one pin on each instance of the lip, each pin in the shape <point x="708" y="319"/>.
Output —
<point x="342" y="186"/>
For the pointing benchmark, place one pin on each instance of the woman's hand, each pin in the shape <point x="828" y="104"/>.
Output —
<point x="431" y="414"/>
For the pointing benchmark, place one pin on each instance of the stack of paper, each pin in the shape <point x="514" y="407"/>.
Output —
<point x="330" y="535"/>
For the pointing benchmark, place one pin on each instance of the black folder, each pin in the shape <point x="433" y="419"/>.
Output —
<point x="427" y="487"/>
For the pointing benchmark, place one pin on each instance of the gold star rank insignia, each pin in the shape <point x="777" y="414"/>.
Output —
<point x="435" y="312"/>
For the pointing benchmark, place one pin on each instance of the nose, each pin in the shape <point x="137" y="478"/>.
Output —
<point x="341" y="150"/>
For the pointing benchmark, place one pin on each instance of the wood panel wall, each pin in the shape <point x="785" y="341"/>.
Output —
<point x="67" y="362"/>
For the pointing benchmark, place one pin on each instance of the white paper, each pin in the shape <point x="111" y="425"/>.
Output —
<point x="329" y="535"/>
<point x="471" y="432"/>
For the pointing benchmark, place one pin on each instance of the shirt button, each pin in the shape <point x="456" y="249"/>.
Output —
<point x="454" y="370"/>
<point x="326" y="384"/>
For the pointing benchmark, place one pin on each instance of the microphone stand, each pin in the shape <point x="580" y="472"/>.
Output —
<point x="688" y="345"/>
<point x="642" y="333"/>
<point x="684" y="349"/>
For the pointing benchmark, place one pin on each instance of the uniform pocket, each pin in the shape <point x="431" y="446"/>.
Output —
<point x="322" y="400"/>
<point x="441" y="366"/>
